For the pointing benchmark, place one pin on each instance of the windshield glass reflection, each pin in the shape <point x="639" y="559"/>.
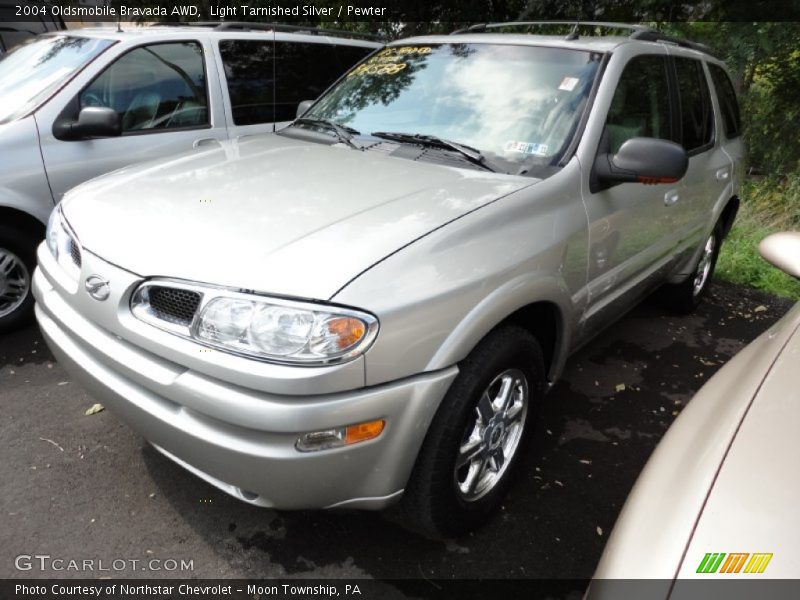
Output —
<point x="520" y="104"/>
<point x="32" y="72"/>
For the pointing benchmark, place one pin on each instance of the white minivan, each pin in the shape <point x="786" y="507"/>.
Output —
<point x="85" y="102"/>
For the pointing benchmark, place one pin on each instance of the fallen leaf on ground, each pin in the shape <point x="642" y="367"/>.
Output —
<point x="760" y="308"/>
<point x="53" y="443"/>
<point x="599" y="531"/>
<point x="95" y="408"/>
<point x="620" y="387"/>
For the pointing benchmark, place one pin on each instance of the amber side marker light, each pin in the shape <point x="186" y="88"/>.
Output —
<point x="340" y="436"/>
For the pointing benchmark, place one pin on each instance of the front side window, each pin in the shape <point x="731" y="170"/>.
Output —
<point x="640" y="107"/>
<point x="729" y="106"/>
<point x="518" y="105"/>
<point x="697" y="115"/>
<point x="34" y="71"/>
<point x="302" y="72"/>
<point x="153" y="88"/>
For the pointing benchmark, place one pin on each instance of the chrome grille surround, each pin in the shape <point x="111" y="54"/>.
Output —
<point x="169" y="305"/>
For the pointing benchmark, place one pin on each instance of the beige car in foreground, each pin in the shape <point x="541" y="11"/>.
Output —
<point x="719" y="497"/>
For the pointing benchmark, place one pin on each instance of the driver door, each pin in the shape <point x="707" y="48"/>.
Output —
<point x="160" y="92"/>
<point x="631" y="241"/>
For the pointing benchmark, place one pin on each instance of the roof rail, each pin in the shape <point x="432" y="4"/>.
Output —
<point x="637" y="32"/>
<point x="482" y="27"/>
<point x="655" y="36"/>
<point x="254" y="26"/>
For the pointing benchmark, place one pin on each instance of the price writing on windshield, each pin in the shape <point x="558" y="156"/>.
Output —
<point x="389" y="61"/>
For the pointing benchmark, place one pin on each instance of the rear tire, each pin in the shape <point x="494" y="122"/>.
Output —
<point x="17" y="262"/>
<point x="475" y="441"/>
<point x="685" y="297"/>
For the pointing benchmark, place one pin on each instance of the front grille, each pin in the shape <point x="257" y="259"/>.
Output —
<point x="174" y="305"/>
<point x="75" y="252"/>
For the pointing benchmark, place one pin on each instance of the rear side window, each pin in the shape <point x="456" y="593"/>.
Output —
<point x="302" y="72"/>
<point x="156" y="87"/>
<point x="640" y="107"/>
<point x="728" y="104"/>
<point x="697" y="116"/>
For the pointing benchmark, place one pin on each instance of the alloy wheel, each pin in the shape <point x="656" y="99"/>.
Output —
<point x="705" y="265"/>
<point x="15" y="282"/>
<point x="492" y="436"/>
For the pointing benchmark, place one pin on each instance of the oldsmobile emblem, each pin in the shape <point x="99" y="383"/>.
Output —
<point x="97" y="287"/>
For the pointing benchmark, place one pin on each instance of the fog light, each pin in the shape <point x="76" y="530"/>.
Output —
<point x="340" y="436"/>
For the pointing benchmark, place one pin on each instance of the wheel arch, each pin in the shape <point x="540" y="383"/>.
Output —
<point x="728" y="214"/>
<point x="543" y="319"/>
<point x="725" y="215"/>
<point x="538" y="305"/>
<point x="19" y="218"/>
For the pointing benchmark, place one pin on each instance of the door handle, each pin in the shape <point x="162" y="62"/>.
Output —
<point x="204" y="142"/>
<point x="723" y="174"/>
<point x="671" y="197"/>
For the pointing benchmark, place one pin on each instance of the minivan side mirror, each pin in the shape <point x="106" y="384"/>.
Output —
<point x="782" y="250"/>
<point x="643" y="160"/>
<point x="93" y="121"/>
<point x="303" y="107"/>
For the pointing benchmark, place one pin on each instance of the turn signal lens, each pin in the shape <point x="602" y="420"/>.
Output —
<point x="363" y="431"/>
<point x="340" y="436"/>
<point x="347" y="331"/>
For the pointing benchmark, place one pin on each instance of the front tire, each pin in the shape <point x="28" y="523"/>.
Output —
<point x="685" y="297"/>
<point x="17" y="262"/>
<point x="474" y="444"/>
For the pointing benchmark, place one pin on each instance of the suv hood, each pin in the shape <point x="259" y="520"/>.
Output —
<point x="271" y="213"/>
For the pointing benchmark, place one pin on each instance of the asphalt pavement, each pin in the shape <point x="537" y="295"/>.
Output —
<point x="84" y="487"/>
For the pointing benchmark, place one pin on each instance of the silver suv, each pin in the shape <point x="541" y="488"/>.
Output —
<point x="369" y="305"/>
<point x="79" y="104"/>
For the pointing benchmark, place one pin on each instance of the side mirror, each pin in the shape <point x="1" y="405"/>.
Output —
<point x="93" y="121"/>
<point x="783" y="251"/>
<point x="643" y="160"/>
<point x="303" y="107"/>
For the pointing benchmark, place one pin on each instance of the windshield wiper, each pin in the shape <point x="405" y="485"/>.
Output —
<point x="472" y="154"/>
<point x="344" y="133"/>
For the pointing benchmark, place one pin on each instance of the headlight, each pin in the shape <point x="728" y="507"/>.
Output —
<point x="287" y="332"/>
<point x="276" y="330"/>
<point x="63" y="245"/>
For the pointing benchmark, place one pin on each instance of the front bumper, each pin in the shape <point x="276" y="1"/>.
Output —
<point x="240" y="439"/>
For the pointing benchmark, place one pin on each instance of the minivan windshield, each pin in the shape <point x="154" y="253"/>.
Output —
<point x="519" y="106"/>
<point x="32" y="72"/>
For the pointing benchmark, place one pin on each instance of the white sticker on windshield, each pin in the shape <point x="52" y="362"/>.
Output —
<point x="526" y="148"/>
<point x="568" y="83"/>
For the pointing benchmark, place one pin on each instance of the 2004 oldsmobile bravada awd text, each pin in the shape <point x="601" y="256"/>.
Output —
<point x="368" y="306"/>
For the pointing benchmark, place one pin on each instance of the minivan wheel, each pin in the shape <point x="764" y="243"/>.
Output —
<point x="475" y="441"/>
<point x="684" y="297"/>
<point x="17" y="261"/>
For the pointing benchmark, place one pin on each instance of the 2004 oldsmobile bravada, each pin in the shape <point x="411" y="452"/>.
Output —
<point x="368" y="306"/>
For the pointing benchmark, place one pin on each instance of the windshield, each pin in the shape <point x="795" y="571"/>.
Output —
<point x="33" y="71"/>
<point x="518" y="105"/>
